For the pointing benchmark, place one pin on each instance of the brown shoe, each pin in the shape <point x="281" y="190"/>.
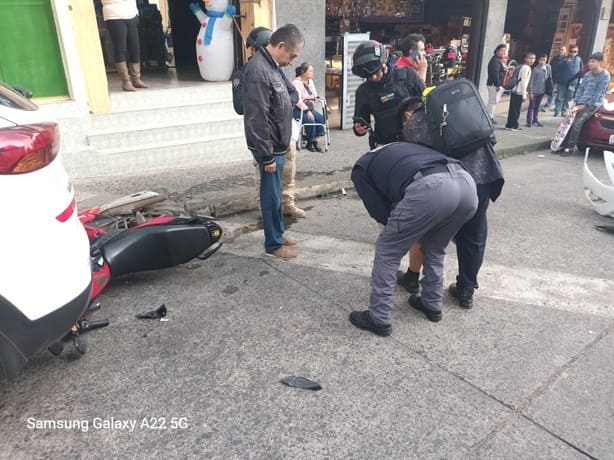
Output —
<point x="289" y="241"/>
<point x="295" y="212"/>
<point x="284" y="252"/>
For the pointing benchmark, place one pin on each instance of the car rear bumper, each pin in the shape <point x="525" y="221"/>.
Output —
<point x="21" y="338"/>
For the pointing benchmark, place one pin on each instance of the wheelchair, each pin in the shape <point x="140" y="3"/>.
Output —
<point x="321" y="106"/>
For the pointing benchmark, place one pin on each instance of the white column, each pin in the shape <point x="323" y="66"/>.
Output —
<point x="495" y="28"/>
<point x="604" y="12"/>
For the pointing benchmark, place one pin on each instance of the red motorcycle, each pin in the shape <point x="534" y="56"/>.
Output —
<point x="131" y="235"/>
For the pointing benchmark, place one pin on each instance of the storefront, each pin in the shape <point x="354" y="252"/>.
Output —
<point x="57" y="49"/>
<point x="544" y="26"/>
<point x="443" y="23"/>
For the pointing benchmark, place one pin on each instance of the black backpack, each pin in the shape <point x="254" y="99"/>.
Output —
<point x="457" y="118"/>
<point x="237" y="89"/>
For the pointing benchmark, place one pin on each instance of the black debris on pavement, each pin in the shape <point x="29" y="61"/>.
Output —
<point x="605" y="228"/>
<point x="159" y="312"/>
<point x="301" y="382"/>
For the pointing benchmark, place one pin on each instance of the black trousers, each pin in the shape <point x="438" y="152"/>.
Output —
<point x="125" y="36"/>
<point x="471" y="243"/>
<point x="513" y="113"/>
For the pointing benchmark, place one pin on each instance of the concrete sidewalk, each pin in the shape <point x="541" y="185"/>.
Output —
<point x="228" y="188"/>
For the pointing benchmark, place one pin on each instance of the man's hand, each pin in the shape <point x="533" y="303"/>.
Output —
<point x="270" y="168"/>
<point x="421" y="63"/>
<point x="310" y="116"/>
<point x="579" y="107"/>
<point x="360" y="129"/>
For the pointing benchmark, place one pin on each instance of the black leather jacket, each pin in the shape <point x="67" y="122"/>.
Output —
<point x="267" y="108"/>
<point x="496" y="71"/>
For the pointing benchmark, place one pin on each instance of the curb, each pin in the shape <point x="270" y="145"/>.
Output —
<point x="323" y="185"/>
<point x="503" y="153"/>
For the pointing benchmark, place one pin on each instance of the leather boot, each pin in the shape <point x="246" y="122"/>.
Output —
<point x="122" y="71"/>
<point x="135" y="75"/>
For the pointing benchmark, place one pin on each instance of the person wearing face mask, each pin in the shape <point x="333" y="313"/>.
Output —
<point x="382" y="92"/>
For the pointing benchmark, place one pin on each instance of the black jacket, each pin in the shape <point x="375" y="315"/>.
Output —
<point x="381" y="175"/>
<point x="267" y="108"/>
<point x="496" y="72"/>
<point x="383" y="98"/>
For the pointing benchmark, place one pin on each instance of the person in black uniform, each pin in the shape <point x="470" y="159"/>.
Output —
<point x="418" y="194"/>
<point x="382" y="92"/>
<point x="486" y="171"/>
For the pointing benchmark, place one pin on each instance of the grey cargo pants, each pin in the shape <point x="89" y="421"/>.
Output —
<point x="432" y="210"/>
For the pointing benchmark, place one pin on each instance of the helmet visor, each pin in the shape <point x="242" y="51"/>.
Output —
<point x="367" y="69"/>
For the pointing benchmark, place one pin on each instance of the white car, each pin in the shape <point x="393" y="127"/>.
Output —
<point x="45" y="268"/>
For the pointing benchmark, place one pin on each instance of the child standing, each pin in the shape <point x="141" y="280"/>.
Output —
<point x="518" y="94"/>
<point x="537" y="89"/>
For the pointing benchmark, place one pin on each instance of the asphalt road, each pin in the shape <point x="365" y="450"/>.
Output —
<point x="528" y="373"/>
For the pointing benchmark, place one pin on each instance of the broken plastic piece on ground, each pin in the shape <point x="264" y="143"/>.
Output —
<point x="301" y="382"/>
<point x="160" y="312"/>
<point x="605" y="228"/>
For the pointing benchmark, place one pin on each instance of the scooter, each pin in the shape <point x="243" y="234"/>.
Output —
<point x="125" y="238"/>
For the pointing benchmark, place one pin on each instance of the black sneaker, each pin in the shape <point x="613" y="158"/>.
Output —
<point x="415" y="301"/>
<point x="409" y="282"/>
<point x="464" y="301"/>
<point x="362" y="320"/>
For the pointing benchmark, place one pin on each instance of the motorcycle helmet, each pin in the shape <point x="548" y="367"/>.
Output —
<point x="600" y="195"/>
<point x="258" y="37"/>
<point x="368" y="58"/>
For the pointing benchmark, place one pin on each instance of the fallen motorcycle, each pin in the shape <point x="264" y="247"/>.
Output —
<point x="128" y="236"/>
<point x="125" y="236"/>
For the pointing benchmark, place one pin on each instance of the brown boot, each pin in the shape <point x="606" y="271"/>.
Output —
<point x="283" y="252"/>
<point x="293" y="211"/>
<point x="135" y="75"/>
<point x="122" y="71"/>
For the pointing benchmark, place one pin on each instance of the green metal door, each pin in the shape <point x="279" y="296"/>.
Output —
<point x="30" y="54"/>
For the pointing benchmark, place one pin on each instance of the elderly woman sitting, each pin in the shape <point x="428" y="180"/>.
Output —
<point x="304" y="107"/>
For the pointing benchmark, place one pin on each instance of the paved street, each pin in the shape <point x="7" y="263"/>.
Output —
<point x="527" y="373"/>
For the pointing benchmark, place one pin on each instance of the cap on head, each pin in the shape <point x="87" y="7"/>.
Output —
<point x="368" y="58"/>
<point x="258" y="37"/>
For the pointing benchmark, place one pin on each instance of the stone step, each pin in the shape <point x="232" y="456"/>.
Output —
<point x="170" y="114"/>
<point x="194" y="151"/>
<point x="147" y="99"/>
<point x="159" y="133"/>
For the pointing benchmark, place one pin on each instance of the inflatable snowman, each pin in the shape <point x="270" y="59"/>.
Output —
<point x="214" y="42"/>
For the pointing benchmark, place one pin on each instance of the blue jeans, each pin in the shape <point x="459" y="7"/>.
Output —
<point x="270" y="205"/>
<point x="564" y="93"/>
<point x="312" y="132"/>
<point x="471" y="243"/>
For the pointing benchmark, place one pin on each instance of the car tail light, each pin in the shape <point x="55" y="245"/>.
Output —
<point x="27" y="148"/>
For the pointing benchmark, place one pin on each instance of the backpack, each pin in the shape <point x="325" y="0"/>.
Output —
<point x="404" y="84"/>
<point x="237" y="90"/>
<point x="457" y="118"/>
<point x="511" y="78"/>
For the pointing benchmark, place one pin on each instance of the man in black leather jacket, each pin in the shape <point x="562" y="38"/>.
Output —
<point x="268" y="128"/>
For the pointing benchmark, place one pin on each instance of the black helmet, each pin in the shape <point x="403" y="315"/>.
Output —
<point x="368" y="59"/>
<point x="258" y="37"/>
